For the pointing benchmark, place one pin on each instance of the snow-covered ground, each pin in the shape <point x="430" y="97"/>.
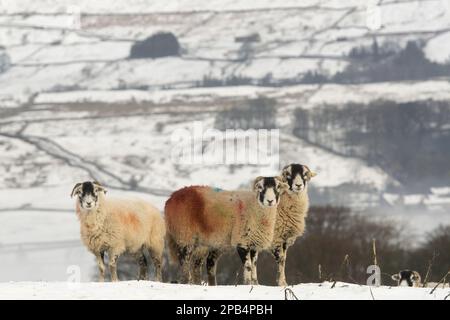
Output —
<point x="162" y="291"/>
<point x="71" y="102"/>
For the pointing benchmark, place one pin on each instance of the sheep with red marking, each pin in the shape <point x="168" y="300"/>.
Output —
<point x="202" y="217"/>
<point x="115" y="226"/>
<point x="289" y="225"/>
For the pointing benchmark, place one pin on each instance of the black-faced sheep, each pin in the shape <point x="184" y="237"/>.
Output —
<point x="116" y="226"/>
<point x="209" y="220"/>
<point x="411" y="278"/>
<point x="292" y="211"/>
<point x="407" y="278"/>
<point x="290" y="224"/>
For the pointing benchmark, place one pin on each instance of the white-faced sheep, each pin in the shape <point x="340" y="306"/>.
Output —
<point x="202" y="217"/>
<point x="290" y="224"/>
<point x="116" y="226"/>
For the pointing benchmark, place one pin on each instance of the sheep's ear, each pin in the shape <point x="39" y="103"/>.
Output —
<point x="76" y="190"/>
<point x="257" y="184"/>
<point x="286" y="171"/>
<point x="283" y="185"/>
<point x="100" y="187"/>
<point x="395" y="277"/>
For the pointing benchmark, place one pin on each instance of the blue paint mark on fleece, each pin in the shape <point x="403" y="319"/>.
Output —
<point x="217" y="190"/>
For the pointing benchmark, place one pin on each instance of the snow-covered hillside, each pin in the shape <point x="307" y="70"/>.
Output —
<point x="161" y="291"/>
<point x="54" y="45"/>
<point x="74" y="107"/>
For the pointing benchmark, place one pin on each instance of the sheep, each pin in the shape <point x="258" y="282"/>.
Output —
<point x="407" y="278"/>
<point x="204" y="219"/>
<point x="411" y="278"/>
<point x="292" y="211"/>
<point x="290" y="224"/>
<point x="116" y="226"/>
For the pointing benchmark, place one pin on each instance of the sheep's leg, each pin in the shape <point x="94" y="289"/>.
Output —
<point x="244" y="254"/>
<point x="143" y="266"/>
<point x="184" y="256"/>
<point x="211" y="266"/>
<point x="279" y="252"/>
<point x="101" y="265"/>
<point x="254" y="259"/>
<point x="197" y="263"/>
<point x="157" y="258"/>
<point x="113" y="266"/>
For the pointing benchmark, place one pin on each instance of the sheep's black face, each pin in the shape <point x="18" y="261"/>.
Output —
<point x="297" y="176"/>
<point x="88" y="193"/>
<point x="407" y="278"/>
<point x="268" y="190"/>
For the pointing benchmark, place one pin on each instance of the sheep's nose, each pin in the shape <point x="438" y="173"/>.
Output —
<point x="88" y="203"/>
<point x="298" y="185"/>
<point x="270" y="201"/>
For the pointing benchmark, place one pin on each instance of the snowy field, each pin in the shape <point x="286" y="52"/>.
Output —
<point x="71" y="102"/>
<point x="162" y="291"/>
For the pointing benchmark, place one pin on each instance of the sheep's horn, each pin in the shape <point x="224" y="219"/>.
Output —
<point x="100" y="186"/>
<point x="283" y="184"/>
<point x="280" y="179"/>
<point x="75" y="189"/>
<point x="395" y="277"/>
<point x="257" y="180"/>
<point x="285" y="168"/>
<point x="309" y="172"/>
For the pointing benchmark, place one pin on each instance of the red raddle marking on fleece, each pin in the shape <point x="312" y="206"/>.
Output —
<point x="241" y="206"/>
<point x="187" y="205"/>
<point x="265" y="222"/>
<point x="130" y="220"/>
